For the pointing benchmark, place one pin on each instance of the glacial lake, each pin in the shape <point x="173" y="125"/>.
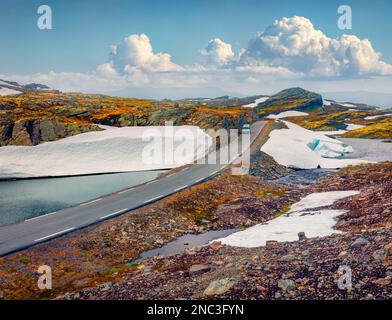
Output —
<point x="25" y="199"/>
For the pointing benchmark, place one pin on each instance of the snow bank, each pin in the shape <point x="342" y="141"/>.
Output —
<point x="378" y="116"/>
<point x="348" y="105"/>
<point x="287" y="114"/>
<point x="300" y="148"/>
<point x="256" y="102"/>
<point x="327" y="103"/>
<point x="304" y="216"/>
<point x="112" y="150"/>
<point x="352" y="126"/>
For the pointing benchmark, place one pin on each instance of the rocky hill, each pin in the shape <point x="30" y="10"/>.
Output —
<point x="293" y="99"/>
<point x="12" y="87"/>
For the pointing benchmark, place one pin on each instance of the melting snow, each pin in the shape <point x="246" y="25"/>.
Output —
<point x="256" y="102"/>
<point x="297" y="147"/>
<point x="287" y="114"/>
<point x="378" y="116"/>
<point x="7" y="91"/>
<point x="348" y="105"/>
<point x="352" y="126"/>
<point x="111" y="150"/>
<point x="304" y="216"/>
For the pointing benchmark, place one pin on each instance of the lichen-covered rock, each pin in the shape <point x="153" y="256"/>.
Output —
<point x="20" y="135"/>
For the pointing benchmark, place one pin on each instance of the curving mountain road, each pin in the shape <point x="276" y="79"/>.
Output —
<point x="42" y="228"/>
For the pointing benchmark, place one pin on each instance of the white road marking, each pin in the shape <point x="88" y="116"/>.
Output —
<point x="215" y="172"/>
<point x="201" y="179"/>
<point x="156" y="198"/>
<point x="53" y="234"/>
<point x="126" y="190"/>
<point x="180" y="188"/>
<point x="41" y="216"/>
<point x="169" y="175"/>
<point x="114" y="213"/>
<point x="89" y="202"/>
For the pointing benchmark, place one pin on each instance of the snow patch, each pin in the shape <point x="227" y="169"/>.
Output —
<point x="304" y="216"/>
<point x="7" y="91"/>
<point x="256" y="102"/>
<point x="287" y="114"/>
<point x="348" y="105"/>
<point x="111" y="150"/>
<point x="352" y="126"/>
<point x="378" y="116"/>
<point x="300" y="148"/>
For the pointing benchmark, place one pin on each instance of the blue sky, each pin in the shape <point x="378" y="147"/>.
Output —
<point x="85" y="30"/>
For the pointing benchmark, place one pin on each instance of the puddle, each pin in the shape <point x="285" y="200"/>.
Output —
<point x="184" y="242"/>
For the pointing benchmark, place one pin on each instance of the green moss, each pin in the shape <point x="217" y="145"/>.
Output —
<point x="285" y="209"/>
<point x="269" y="192"/>
<point x="24" y="260"/>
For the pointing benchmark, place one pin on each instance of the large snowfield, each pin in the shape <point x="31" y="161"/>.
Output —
<point x="306" y="216"/>
<point x="300" y="148"/>
<point x="111" y="150"/>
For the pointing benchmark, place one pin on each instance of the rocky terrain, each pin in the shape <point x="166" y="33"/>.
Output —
<point x="305" y="269"/>
<point x="101" y="261"/>
<point x="37" y="116"/>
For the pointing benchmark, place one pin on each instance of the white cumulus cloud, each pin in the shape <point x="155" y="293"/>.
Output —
<point x="294" y="43"/>
<point x="136" y="53"/>
<point x="218" y="52"/>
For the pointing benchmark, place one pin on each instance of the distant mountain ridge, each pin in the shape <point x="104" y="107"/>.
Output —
<point x="12" y="87"/>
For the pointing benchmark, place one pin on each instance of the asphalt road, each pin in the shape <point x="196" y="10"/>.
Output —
<point x="45" y="227"/>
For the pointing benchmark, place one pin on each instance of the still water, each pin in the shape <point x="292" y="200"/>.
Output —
<point x="24" y="199"/>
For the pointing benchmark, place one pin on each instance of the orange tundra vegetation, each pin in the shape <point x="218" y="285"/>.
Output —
<point x="38" y="116"/>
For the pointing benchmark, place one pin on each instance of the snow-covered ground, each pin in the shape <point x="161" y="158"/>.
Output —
<point x="7" y="91"/>
<point x="327" y="102"/>
<point x="256" y="102"/>
<point x="306" y="216"/>
<point x="332" y="133"/>
<point x="352" y="126"/>
<point x="348" y="105"/>
<point x="111" y="150"/>
<point x="378" y="116"/>
<point x="300" y="148"/>
<point x="287" y="114"/>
